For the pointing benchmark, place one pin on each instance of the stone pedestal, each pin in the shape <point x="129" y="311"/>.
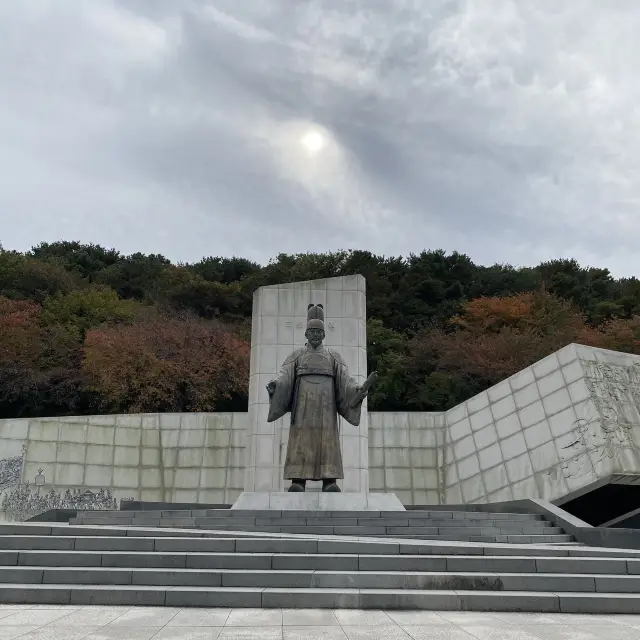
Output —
<point x="278" y="327"/>
<point x="313" y="501"/>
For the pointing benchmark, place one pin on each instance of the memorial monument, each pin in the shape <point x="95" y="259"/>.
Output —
<point x="314" y="385"/>
<point x="308" y="359"/>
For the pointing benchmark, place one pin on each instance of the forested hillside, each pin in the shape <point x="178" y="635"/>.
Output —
<point x="85" y="330"/>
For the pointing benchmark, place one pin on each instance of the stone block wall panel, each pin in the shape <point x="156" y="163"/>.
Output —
<point x="405" y="455"/>
<point x="169" y="457"/>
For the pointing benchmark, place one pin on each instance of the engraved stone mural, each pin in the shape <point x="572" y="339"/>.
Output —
<point x="21" y="501"/>
<point x="614" y="391"/>
<point x="575" y="456"/>
<point x="25" y="501"/>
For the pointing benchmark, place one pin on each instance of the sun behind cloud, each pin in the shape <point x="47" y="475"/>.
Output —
<point x="313" y="141"/>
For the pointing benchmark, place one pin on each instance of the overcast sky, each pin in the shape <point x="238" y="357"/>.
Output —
<point x="505" y="129"/>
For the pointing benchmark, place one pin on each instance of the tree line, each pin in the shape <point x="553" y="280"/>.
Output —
<point x="85" y="329"/>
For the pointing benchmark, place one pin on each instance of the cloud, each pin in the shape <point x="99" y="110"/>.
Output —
<point x="506" y="129"/>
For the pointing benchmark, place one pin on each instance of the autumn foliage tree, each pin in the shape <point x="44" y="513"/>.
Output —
<point x="621" y="334"/>
<point x="491" y="339"/>
<point x="165" y="363"/>
<point x="39" y="365"/>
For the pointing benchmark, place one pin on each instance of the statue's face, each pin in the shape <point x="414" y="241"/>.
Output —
<point x="314" y="337"/>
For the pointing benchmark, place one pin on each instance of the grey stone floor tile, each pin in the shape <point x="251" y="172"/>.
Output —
<point x="436" y="632"/>
<point x="92" y="615"/>
<point x="577" y="619"/>
<point x="54" y="632"/>
<point x="309" y="617"/>
<point x="355" y="617"/>
<point x="36" y="617"/>
<point x="517" y="618"/>
<point x="9" y="633"/>
<point x="498" y="632"/>
<point x="631" y="620"/>
<point x="560" y="632"/>
<point x="200" y="618"/>
<point x="254" y="618"/>
<point x="612" y="632"/>
<point x="188" y="633"/>
<point x="251" y="633"/>
<point x="143" y="616"/>
<point x="417" y="618"/>
<point x="111" y="632"/>
<point x="472" y="617"/>
<point x="377" y="632"/>
<point x="7" y="612"/>
<point x="57" y="607"/>
<point x="318" y="632"/>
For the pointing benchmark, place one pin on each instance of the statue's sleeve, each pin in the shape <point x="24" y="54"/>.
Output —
<point x="282" y="398"/>
<point x="346" y="388"/>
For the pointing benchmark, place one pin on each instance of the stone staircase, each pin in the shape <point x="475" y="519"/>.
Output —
<point x="116" y="562"/>
<point x="517" y="528"/>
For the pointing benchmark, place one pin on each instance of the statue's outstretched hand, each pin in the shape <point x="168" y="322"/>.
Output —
<point x="271" y="387"/>
<point x="369" y="382"/>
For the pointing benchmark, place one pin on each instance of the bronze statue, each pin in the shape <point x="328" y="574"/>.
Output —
<point x="315" y="386"/>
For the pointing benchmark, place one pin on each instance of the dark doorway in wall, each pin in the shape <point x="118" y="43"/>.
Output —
<point x="606" y="503"/>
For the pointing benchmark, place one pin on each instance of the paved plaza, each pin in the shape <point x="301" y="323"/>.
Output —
<point x="43" y="622"/>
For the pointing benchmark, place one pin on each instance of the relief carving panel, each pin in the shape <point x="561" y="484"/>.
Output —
<point x="24" y="501"/>
<point x="615" y="393"/>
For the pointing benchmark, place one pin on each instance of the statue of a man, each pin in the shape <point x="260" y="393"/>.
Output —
<point x="315" y="386"/>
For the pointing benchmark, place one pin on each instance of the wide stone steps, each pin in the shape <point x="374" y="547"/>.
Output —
<point x="123" y="561"/>
<point x="311" y="579"/>
<point x="471" y="535"/>
<point x="146" y="544"/>
<point x="404" y="599"/>
<point x="427" y="525"/>
<point x="283" y="561"/>
<point x="311" y="517"/>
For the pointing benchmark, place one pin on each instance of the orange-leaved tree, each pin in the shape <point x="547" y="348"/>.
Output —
<point x="491" y="339"/>
<point x="621" y="334"/>
<point x="165" y="363"/>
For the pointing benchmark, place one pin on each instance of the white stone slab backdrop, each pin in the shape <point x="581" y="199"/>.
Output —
<point x="278" y="326"/>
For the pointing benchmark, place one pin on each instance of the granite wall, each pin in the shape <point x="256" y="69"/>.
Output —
<point x="197" y="457"/>
<point x="406" y="455"/>
<point x="172" y="457"/>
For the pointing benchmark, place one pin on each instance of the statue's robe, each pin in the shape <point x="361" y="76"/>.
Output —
<point x="315" y="386"/>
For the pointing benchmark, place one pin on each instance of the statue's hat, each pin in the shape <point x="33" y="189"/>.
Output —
<point x="315" y="316"/>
